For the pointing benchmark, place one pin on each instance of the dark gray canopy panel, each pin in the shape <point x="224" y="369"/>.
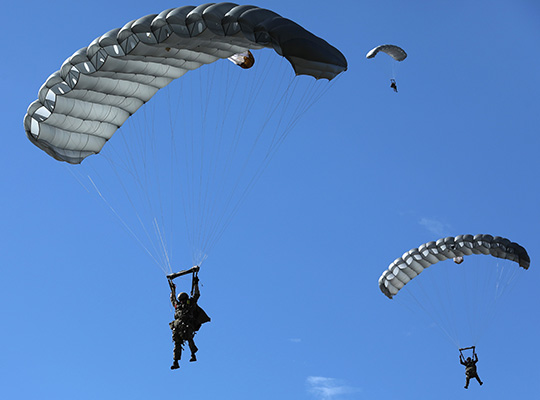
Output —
<point x="80" y="106"/>
<point x="413" y="262"/>
<point x="397" y="53"/>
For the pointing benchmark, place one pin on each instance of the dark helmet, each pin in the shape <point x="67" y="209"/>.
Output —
<point x="183" y="296"/>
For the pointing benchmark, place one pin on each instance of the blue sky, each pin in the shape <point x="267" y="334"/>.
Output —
<point x="291" y="286"/>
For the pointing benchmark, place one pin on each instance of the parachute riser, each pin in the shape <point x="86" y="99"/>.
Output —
<point x="473" y="348"/>
<point x="194" y="270"/>
<point x="174" y="275"/>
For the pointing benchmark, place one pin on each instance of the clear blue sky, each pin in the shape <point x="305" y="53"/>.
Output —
<point x="292" y="285"/>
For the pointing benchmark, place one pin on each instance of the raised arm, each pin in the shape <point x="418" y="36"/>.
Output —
<point x="173" y="292"/>
<point x="195" y="293"/>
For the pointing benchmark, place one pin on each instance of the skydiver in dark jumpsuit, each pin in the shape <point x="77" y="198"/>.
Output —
<point x="188" y="318"/>
<point x="393" y="85"/>
<point x="470" y="368"/>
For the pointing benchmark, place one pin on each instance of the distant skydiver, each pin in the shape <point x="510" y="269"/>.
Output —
<point x="470" y="366"/>
<point x="396" y="52"/>
<point x="393" y="85"/>
<point x="188" y="316"/>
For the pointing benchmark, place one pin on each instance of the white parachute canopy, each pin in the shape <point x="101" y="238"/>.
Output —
<point x="396" y="52"/>
<point x="167" y="131"/>
<point x="459" y="297"/>
<point x="413" y="262"/>
<point x="99" y="87"/>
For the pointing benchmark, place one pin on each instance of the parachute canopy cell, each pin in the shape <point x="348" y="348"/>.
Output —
<point x="95" y="91"/>
<point x="396" y="52"/>
<point x="413" y="262"/>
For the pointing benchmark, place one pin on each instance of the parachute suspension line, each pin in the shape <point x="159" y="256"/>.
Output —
<point x="183" y="179"/>
<point x="435" y="307"/>
<point x="441" y="300"/>
<point x="450" y="336"/>
<point x="206" y="220"/>
<point x="247" y="99"/>
<point x="126" y="226"/>
<point x="280" y="132"/>
<point x="228" y="149"/>
<point x="484" y="296"/>
<point x="224" y="220"/>
<point x="308" y="99"/>
<point x="115" y="212"/>
<point x="136" y="212"/>
<point x="474" y="294"/>
<point x="447" y="302"/>
<point x="208" y="162"/>
<point x="477" y="284"/>
<point x="145" y="178"/>
<point x="194" y="176"/>
<point x="153" y="157"/>
<point x="502" y="279"/>
<point x="304" y="102"/>
<point x="394" y="67"/>
<point x="203" y="193"/>
<point x="212" y="228"/>
<point x="462" y="302"/>
<point x="182" y="184"/>
<point x="481" y="309"/>
<point x="188" y="144"/>
<point x="172" y="155"/>
<point x="77" y="178"/>
<point x="159" y="234"/>
<point x="187" y="133"/>
<point x="469" y="298"/>
<point x="164" y="228"/>
<point x="139" y="172"/>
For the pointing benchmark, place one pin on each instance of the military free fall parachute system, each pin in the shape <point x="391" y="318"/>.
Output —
<point x="460" y="297"/>
<point x="220" y="130"/>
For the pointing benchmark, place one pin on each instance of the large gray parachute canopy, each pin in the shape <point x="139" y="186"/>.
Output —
<point x="413" y="262"/>
<point x="80" y="106"/>
<point x="397" y="53"/>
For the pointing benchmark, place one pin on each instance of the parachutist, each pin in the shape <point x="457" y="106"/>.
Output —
<point x="470" y="366"/>
<point x="396" y="52"/>
<point x="188" y="317"/>
<point x="393" y="85"/>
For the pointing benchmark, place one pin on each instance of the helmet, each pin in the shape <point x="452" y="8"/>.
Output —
<point x="183" y="296"/>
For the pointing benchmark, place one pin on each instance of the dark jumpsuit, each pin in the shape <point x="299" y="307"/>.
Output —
<point x="183" y="326"/>
<point x="188" y="318"/>
<point x="470" y="369"/>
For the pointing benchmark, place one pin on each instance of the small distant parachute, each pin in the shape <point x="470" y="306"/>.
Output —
<point x="397" y="53"/>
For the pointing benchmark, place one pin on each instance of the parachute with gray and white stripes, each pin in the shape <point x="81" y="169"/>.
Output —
<point x="413" y="262"/>
<point x="99" y="87"/>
